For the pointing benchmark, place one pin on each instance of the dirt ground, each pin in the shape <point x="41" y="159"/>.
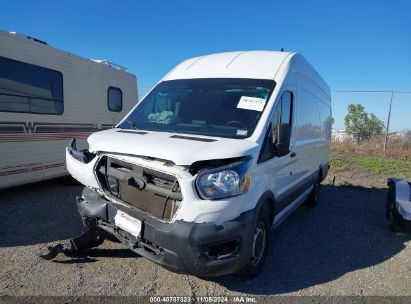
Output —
<point x="342" y="247"/>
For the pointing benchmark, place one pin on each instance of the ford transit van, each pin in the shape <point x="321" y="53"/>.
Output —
<point x="217" y="154"/>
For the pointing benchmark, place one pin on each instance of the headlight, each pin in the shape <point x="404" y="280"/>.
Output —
<point x="224" y="181"/>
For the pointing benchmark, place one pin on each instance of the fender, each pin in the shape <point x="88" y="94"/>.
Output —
<point x="267" y="197"/>
<point x="260" y="184"/>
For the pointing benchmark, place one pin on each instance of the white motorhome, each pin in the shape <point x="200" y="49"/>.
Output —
<point x="224" y="147"/>
<point x="47" y="97"/>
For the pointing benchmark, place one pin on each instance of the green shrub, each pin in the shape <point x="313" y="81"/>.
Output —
<point x="400" y="168"/>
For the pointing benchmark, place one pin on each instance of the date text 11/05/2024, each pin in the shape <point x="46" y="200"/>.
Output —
<point x="203" y="299"/>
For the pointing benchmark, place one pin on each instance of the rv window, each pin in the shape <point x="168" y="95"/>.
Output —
<point x="29" y="88"/>
<point x="115" y="99"/>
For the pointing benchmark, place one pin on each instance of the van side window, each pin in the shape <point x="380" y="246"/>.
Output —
<point x="286" y="101"/>
<point x="282" y="114"/>
<point x="115" y="99"/>
<point x="28" y="88"/>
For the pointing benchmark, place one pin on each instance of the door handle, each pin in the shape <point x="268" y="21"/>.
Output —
<point x="293" y="154"/>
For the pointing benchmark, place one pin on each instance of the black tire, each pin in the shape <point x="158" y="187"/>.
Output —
<point x="99" y="238"/>
<point x="390" y="198"/>
<point x="395" y="222"/>
<point x="314" y="196"/>
<point x="260" y="243"/>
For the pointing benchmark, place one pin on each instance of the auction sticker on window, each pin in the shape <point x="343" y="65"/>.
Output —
<point x="251" y="103"/>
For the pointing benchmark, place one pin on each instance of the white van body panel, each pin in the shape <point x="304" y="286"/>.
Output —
<point x="128" y="142"/>
<point x="32" y="145"/>
<point x="255" y="64"/>
<point x="279" y="175"/>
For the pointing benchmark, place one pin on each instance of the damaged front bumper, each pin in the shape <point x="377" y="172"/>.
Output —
<point x="201" y="249"/>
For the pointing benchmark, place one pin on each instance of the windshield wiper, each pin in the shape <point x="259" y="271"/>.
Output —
<point x="133" y="124"/>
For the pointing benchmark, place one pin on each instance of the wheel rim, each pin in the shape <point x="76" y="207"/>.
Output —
<point x="259" y="243"/>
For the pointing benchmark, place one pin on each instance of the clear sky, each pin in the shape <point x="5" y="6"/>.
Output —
<point x="353" y="44"/>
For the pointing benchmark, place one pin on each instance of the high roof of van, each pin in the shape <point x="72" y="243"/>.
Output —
<point x="245" y="64"/>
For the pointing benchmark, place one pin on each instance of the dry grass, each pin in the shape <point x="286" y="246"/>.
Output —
<point x="398" y="147"/>
<point x="367" y="164"/>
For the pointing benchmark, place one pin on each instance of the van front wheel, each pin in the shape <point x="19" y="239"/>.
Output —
<point x="260" y="241"/>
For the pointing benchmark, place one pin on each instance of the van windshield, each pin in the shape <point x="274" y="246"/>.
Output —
<point x="228" y="107"/>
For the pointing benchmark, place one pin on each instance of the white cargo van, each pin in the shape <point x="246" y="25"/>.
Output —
<point x="47" y="97"/>
<point x="224" y="147"/>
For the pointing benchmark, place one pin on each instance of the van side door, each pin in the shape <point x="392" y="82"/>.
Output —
<point x="279" y="168"/>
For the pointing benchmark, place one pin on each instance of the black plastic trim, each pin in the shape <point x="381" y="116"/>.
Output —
<point x="193" y="138"/>
<point x="133" y="132"/>
<point x="179" y="246"/>
<point x="293" y="193"/>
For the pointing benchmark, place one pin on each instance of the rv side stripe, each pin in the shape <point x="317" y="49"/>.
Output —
<point x="42" y="137"/>
<point x="14" y="127"/>
<point x="27" y="170"/>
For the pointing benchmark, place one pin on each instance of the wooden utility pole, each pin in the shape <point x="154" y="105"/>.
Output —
<point x="387" y="129"/>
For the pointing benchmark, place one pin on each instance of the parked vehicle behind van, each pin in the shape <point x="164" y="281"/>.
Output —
<point x="224" y="147"/>
<point x="47" y="97"/>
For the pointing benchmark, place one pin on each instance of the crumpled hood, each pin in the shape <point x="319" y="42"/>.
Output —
<point x="161" y="145"/>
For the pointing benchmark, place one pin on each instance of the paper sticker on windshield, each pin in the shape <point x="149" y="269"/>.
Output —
<point x="251" y="103"/>
<point x="242" y="132"/>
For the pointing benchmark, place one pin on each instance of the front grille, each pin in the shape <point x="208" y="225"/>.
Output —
<point x="153" y="192"/>
<point x="156" y="205"/>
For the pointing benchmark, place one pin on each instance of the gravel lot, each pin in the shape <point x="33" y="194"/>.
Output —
<point x="343" y="247"/>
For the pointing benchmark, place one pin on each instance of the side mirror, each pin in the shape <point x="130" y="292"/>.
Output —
<point x="282" y="146"/>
